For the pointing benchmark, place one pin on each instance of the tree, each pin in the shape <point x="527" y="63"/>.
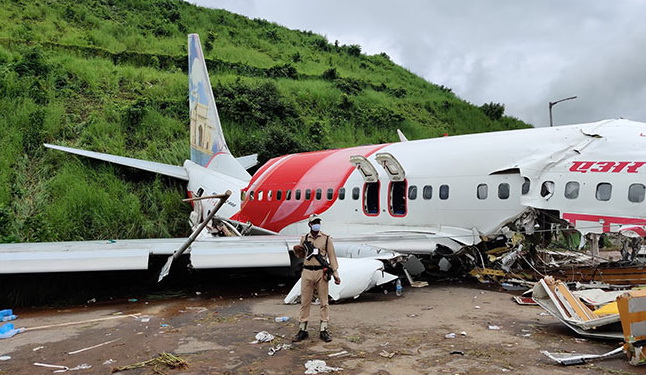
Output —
<point x="493" y="110"/>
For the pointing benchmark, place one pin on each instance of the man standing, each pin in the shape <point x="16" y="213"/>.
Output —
<point x="320" y="261"/>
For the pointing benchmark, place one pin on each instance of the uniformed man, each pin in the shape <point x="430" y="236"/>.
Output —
<point x="319" y="256"/>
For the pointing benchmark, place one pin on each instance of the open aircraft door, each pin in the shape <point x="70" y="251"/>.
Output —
<point x="393" y="168"/>
<point x="370" y="186"/>
<point x="397" y="205"/>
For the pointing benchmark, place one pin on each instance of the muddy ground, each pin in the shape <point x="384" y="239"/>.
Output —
<point x="378" y="333"/>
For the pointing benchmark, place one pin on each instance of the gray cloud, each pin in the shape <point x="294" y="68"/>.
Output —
<point x="522" y="54"/>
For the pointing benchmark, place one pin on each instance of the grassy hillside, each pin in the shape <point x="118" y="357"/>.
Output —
<point x="111" y="76"/>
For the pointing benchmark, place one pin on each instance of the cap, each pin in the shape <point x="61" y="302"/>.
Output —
<point x="313" y="218"/>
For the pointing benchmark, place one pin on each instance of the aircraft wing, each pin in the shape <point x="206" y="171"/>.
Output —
<point x="150" y="166"/>
<point x="205" y="252"/>
<point x="119" y="255"/>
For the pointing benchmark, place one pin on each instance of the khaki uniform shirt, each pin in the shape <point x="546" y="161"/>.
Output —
<point x="324" y="243"/>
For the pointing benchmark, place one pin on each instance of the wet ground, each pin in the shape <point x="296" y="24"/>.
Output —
<point x="213" y="328"/>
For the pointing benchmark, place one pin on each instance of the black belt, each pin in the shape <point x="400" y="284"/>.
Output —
<point x="313" y="268"/>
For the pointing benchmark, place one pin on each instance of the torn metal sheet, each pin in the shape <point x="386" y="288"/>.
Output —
<point x="568" y="359"/>
<point x="357" y="276"/>
<point x="555" y="297"/>
<point x="598" y="297"/>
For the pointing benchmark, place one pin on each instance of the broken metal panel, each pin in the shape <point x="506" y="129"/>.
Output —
<point x="357" y="276"/>
<point x="413" y="265"/>
<point x="579" y="359"/>
<point x="555" y="297"/>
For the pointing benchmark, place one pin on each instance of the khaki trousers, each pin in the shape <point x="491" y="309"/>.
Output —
<point x="311" y="280"/>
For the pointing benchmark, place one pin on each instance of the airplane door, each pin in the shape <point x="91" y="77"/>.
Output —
<point x="370" y="186"/>
<point x="367" y="170"/>
<point x="397" y="203"/>
<point x="393" y="168"/>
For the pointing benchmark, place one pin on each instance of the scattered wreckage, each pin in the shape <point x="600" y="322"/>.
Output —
<point x="597" y="313"/>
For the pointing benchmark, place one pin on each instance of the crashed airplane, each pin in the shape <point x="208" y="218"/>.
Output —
<point x="432" y="198"/>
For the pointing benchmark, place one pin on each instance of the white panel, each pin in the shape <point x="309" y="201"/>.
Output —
<point x="74" y="261"/>
<point x="637" y="304"/>
<point x="239" y="255"/>
<point x="638" y="329"/>
<point x="83" y="255"/>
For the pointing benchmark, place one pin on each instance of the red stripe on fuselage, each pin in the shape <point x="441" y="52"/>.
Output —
<point x="312" y="170"/>
<point x="606" y="221"/>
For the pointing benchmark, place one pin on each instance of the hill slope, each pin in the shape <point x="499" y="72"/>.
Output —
<point x="110" y="76"/>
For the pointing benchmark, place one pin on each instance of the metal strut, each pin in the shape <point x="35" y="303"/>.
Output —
<point x="166" y="269"/>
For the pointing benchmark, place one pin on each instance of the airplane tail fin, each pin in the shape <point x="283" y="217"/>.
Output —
<point x="208" y="146"/>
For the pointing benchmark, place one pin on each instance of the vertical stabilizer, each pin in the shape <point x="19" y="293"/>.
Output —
<point x="208" y="146"/>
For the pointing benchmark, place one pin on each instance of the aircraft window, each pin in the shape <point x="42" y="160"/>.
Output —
<point x="330" y="194"/>
<point x="251" y="194"/>
<point x="636" y="193"/>
<point x="604" y="191"/>
<point x="319" y="194"/>
<point x="355" y="193"/>
<point x="298" y="195"/>
<point x="371" y="198"/>
<point x="547" y="189"/>
<point x="308" y="194"/>
<point x="444" y="192"/>
<point x="525" y="188"/>
<point x="412" y="192"/>
<point x="199" y="192"/>
<point x="397" y="199"/>
<point x="288" y="195"/>
<point x="279" y="195"/>
<point x="481" y="192"/>
<point x="243" y="195"/>
<point x="259" y="195"/>
<point x="342" y="193"/>
<point x="503" y="191"/>
<point x="572" y="190"/>
<point x="427" y="193"/>
<point x="269" y="195"/>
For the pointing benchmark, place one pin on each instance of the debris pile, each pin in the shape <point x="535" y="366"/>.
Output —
<point x="596" y="313"/>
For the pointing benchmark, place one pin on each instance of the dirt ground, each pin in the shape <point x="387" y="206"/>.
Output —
<point x="375" y="334"/>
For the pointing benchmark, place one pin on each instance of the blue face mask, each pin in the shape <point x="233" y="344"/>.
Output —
<point x="316" y="227"/>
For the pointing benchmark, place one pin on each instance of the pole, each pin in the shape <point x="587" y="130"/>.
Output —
<point x="166" y="269"/>
<point x="552" y="104"/>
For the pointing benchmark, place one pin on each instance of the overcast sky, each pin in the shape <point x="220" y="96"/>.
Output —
<point x="522" y="54"/>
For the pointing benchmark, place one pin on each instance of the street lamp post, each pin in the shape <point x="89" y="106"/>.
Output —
<point x="552" y="104"/>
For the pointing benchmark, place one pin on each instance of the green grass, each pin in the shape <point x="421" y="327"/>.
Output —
<point x="110" y="76"/>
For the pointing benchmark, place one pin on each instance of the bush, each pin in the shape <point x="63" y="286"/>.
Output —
<point x="493" y="110"/>
<point x="330" y="74"/>
<point x="282" y="71"/>
<point x="354" y="50"/>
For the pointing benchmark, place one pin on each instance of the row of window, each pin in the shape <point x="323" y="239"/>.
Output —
<point x="636" y="192"/>
<point x="603" y="191"/>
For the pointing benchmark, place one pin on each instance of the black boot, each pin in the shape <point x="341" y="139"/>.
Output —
<point x="325" y="336"/>
<point x="302" y="333"/>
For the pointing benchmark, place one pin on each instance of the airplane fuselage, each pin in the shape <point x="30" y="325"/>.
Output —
<point x="451" y="184"/>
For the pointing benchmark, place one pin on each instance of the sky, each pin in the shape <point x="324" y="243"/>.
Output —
<point x="523" y="54"/>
